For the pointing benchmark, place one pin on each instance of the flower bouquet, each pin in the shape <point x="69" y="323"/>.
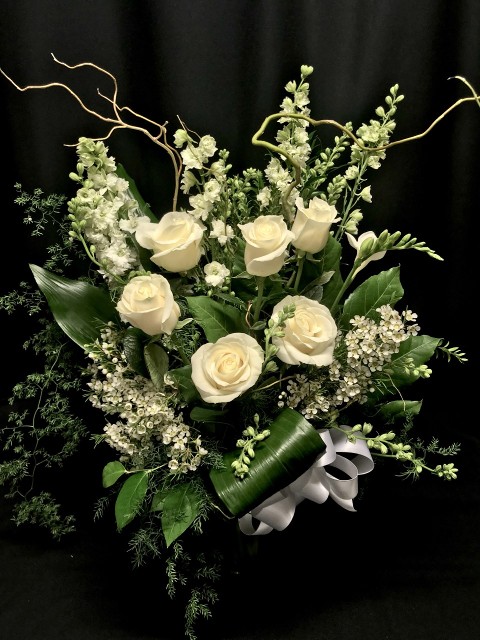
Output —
<point x="243" y="347"/>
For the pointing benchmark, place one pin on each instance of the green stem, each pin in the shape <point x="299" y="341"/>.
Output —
<point x="259" y="301"/>
<point x="300" y="262"/>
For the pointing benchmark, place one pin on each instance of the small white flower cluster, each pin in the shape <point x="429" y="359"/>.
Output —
<point x="145" y="414"/>
<point x="370" y="347"/>
<point x="104" y="209"/>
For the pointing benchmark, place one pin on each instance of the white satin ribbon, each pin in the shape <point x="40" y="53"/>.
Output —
<point x="316" y="484"/>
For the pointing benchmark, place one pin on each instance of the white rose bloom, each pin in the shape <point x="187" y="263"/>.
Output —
<point x="266" y="240"/>
<point x="175" y="241"/>
<point x="147" y="303"/>
<point x="356" y="243"/>
<point x="309" y="336"/>
<point x="223" y="370"/>
<point x="312" y="224"/>
<point x="215" y="273"/>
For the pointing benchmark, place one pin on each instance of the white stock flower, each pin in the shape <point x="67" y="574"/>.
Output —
<point x="221" y="231"/>
<point x="264" y="196"/>
<point x="266" y="240"/>
<point x="309" y="336"/>
<point x="356" y="243"/>
<point x="175" y="241"/>
<point x="223" y="370"/>
<point x="147" y="303"/>
<point x="312" y="224"/>
<point x="215" y="273"/>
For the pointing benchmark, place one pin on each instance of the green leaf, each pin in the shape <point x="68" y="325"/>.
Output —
<point x="216" y="319"/>
<point x="202" y="414"/>
<point x="135" y="194"/>
<point x="156" y="359"/>
<point x="111" y="473"/>
<point x="330" y="261"/>
<point x="290" y="449"/>
<point x="133" y="347"/>
<point x="80" y="309"/>
<point x="181" y="505"/>
<point x="420" y="349"/>
<point x="380" y="289"/>
<point x="186" y="388"/>
<point x="130" y="498"/>
<point x="399" y="409"/>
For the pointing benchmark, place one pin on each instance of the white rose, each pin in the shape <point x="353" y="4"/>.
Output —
<point x="175" y="241"/>
<point x="309" y="337"/>
<point x="267" y="239"/>
<point x="356" y="243"/>
<point x="312" y="224"/>
<point x="223" y="370"/>
<point x="147" y="303"/>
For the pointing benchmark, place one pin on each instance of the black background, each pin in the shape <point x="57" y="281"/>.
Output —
<point x="407" y="564"/>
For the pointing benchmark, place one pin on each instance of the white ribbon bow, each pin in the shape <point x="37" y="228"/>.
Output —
<point x="315" y="484"/>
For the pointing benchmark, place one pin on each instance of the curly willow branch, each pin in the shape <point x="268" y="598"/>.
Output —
<point x="117" y="121"/>
<point x="297" y="166"/>
<point x="161" y="138"/>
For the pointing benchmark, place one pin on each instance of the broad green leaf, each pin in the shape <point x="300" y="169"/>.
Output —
<point x="133" y="346"/>
<point x="186" y="388"/>
<point x="290" y="449"/>
<point x="157" y="500"/>
<point x="417" y="348"/>
<point x="216" y="319"/>
<point x="80" y="309"/>
<point x="156" y="359"/>
<point x="180" y="508"/>
<point x="330" y="262"/>
<point x="111" y="473"/>
<point x="380" y="289"/>
<point x="130" y="498"/>
<point x="135" y="194"/>
<point x="399" y="409"/>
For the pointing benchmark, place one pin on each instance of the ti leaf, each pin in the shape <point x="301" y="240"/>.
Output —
<point x="130" y="498"/>
<point x="289" y="450"/>
<point x="180" y="507"/>
<point x="80" y="309"/>
<point x="111" y="473"/>
<point x="216" y="319"/>
<point x="380" y="289"/>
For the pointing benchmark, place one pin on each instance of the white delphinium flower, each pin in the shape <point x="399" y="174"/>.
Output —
<point x="277" y="175"/>
<point x="201" y="207"/>
<point x="188" y="181"/>
<point x="215" y="273"/>
<point x="264" y="196"/>
<point x="222" y="232"/>
<point x="103" y="206"/>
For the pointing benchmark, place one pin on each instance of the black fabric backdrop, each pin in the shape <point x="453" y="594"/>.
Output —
<point x="407" y="564"/>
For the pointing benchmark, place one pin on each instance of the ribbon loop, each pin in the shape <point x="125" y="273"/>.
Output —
<point x="316" y="484"/>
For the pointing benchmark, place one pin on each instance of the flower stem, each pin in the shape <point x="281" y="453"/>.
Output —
<point x="259" y="301"/>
